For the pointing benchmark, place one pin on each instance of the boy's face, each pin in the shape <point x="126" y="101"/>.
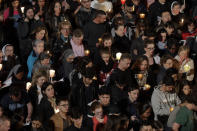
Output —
<point x="105" y="57"/>
<point x="77" y="122"/>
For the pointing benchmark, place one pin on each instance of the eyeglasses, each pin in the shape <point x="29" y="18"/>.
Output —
<point x="151" y="48"/>
<point x="65" y="105"/>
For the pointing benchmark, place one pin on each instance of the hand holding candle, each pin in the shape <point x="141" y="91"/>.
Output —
<point x="186" y="68"/>
<point x="139" y="76"/>
<point x="87" y="52"/>
<point x="23" y="9"/>
<point x="142" y="15"/>
<point x="147" y="87"/>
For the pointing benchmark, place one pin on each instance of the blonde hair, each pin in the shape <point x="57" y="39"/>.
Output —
<point x="61" y="24"/>
<point x="38" y="74"/>
<point x="184" y="48"/>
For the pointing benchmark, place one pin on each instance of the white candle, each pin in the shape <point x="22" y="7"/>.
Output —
<point x="23" y="9"/>
<point x="28" y="85"/>
<point x="52" y="73"/>
<point x="1" y="66"/>
<point x="118" y="55"/>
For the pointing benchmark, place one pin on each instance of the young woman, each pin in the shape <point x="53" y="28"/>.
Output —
<point x="34" y="92"/>
<point x="184" y="89"/>
<point x="47" y="105"/>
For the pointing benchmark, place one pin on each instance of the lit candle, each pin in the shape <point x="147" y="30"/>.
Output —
<point x="182" y="21"/>
<point x="186" y="68"/>
<point x="52" y="73"/>
<point x="28" y="85"/>
<point x="140" y="76"/>
<point x="133" y="8"/>
<point x="23" y="9"/>
<point x="118" y="56"/>
<point x="56" y="110"/>
<point x="100" y="40"/>
<point x="87" y="52"/>
<point x="1" y="66"/>
<point x="94" y="78"/>
<point x="171" y="109"/>
<point x="48" y="52"/>
<point x="147" y="87"/>
<point x="142" y="16"/>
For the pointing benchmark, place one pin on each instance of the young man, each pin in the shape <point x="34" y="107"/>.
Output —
<point x="164" y="99"/>
<point x="185" y="117"/>
<point x="61" y="120"/>
<point x="38" y="47"/>
<point x="121" y="71"/>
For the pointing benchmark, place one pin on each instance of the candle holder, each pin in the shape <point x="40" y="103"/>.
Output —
<point x="51" y="74"/>
<point x="118" y="56"/>
<point x="186" y="68"/>
<point x="28" y="86"/>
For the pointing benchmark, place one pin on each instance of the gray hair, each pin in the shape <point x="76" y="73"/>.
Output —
<point x="36" y="42"/>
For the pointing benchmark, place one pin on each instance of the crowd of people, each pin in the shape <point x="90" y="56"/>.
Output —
<point x="101" y="65"/>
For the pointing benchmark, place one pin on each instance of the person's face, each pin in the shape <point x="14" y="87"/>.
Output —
<point x="136" y="2"/>
<point x="70" y="58"/>
<point x="144" y="65"/>
<point x="176" y="9"/>
<point x="1" y="57"/>
<point x="172" y="49"/>
<point x="133" y="95"/>
<point x="65" y="30"/>
<point x="183" y="54"/>
<point x="39" y="48"/>
<point x="87" y="81"/>
<point x="41" y="3"/>
<point x="125" y="63"/>
<point x="102" y="18"/>
<point x="77" y="122"/>
<point x="147" y="128"/>
<point x="168" y="64"/>
<point x="30" y="14"/>
<point x="40" y="35"/>
<point x="169" y="88"/>
<point x="36" y="124"/>
<point x="9" y="51"/>
<point x="49" y="91"/>
<point x="5" y="126"/>
<point x="57" y="8"/>
<point x="41" y="80"/>
<point x="77" y="40"/>
<point x="169" y="30"/>
<point x="166" y="17"/>
<point x="63" y="106"/>
<point x="86" y="3"/>
<point x="15" y="4"/>
<point x="19" y="75"/>
<point x="120" y="31"/>
<point x="105" y="57"/>
<point x="45" y="62"/>
<point x="98" y="113"/>
<point x="150" y="49"/>
<point x="186" y="90"/>
<point x="107" y="43"/>
<point x="147" y="113"/>
<point x="191" y="27"/>
<point x="104" y="99"/>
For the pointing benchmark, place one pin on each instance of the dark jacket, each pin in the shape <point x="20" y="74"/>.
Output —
<point x="84" y="16"/>
<point x="81" y="95"/>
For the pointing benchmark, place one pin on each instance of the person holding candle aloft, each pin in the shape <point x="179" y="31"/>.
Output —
<point x="186" y="63"/>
